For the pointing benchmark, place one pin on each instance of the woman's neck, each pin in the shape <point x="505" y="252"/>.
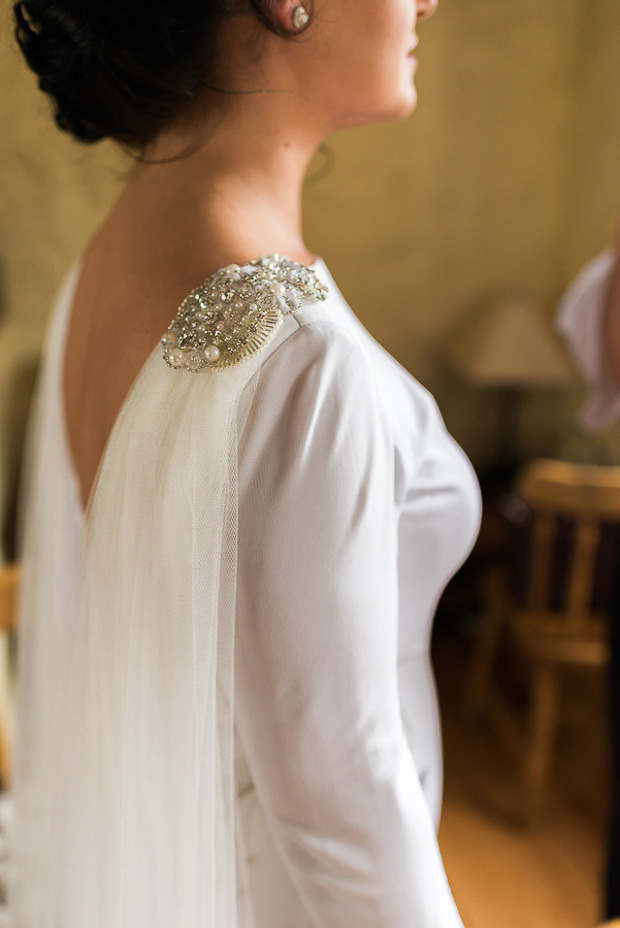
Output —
<point x="237" y="192"/>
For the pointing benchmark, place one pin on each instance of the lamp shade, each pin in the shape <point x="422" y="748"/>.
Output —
<point x="508" y="342"/>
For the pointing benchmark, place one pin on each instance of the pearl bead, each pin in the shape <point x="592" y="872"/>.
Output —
<point x="170" y="340"/>
<point x="176" y="357"/>
<point x="212" y="353"/>
<point x="231" y="269"/>
<point x="278" y="289"/>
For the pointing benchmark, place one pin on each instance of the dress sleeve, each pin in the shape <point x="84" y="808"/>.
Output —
<point x="580" y="322"/>
<point x="316" y="644"/>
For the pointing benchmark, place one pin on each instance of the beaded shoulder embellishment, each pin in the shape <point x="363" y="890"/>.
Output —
<point x="236" y="312"/>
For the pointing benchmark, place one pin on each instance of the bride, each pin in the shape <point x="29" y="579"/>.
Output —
<point x="240" y="511"/>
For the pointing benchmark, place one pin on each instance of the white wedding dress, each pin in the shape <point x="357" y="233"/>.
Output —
<point x="279" y="532"/>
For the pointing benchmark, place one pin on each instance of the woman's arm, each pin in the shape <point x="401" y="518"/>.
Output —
<point x="318" y="708"/>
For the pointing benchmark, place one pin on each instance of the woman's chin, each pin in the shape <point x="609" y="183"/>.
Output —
<point x="409" y="106"/>
<point x="403" y="106"/>
<point x="402" y="103"/>
<point x="396" y="108"/>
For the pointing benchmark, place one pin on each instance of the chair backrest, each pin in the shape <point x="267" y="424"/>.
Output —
<point x="586" y="497"/>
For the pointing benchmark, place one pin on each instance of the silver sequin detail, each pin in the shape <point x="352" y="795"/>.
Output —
<point x="236" y="312"/>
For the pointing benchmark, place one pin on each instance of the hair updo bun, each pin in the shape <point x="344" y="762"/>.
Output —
<point x="60" y="50"/>
<point x="122" y="69"/>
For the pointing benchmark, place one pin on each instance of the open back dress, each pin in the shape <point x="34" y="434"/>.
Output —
<point x="226" y="711"/>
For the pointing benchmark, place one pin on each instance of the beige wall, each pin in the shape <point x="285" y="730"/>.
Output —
<point x="506" y="176"/>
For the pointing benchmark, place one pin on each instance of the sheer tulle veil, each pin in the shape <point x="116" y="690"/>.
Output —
<point x="125" y="794"/>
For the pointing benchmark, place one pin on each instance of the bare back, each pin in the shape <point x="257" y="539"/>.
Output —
<point x="160" y="241"/>
<point x="121" y="308"/>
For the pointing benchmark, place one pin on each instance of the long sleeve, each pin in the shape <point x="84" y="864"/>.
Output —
<point x="580" y="322"/>
<point x="316" y="643"/>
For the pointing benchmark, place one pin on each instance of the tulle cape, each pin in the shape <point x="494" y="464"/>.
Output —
<point x="124" y="770"/>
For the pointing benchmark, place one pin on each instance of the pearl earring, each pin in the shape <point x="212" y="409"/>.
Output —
<point x="300" y="18"/>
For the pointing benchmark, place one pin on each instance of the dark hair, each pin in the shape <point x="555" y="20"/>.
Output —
<point x="123" y="69"/>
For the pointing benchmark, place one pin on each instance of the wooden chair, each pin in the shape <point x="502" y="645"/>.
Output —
<point x="554" y="622"/>
<point x="9" y="577"/>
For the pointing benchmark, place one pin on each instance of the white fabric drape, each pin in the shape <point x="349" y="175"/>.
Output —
<point x="580" y="321"/>
<point x="140" y="708"/>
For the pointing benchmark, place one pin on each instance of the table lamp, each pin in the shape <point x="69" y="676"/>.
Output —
<point x="507" y="344"/>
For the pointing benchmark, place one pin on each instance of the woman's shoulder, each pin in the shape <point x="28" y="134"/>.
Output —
<point x="235" y="313"/>
<point x="241" y="312"/>
<point x="316" y="382"/>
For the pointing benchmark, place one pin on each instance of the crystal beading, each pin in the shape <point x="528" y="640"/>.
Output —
<point x="236" y="312"/>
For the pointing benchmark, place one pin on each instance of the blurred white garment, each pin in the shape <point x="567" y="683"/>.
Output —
<point x="580" y="321"/>
<point x="354" y="509"/>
